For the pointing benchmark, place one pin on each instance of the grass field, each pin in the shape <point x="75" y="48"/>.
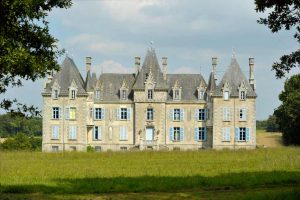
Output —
<point x="267" y="173"/>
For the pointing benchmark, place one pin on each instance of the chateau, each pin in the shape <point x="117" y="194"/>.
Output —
<point x="149" y="109"/>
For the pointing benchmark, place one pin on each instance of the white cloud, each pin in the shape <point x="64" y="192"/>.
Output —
<point x="111" y="66"/>
<point x="185" y="70"/>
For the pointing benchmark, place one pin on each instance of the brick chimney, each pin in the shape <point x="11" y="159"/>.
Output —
<point x="251" y="74"/>
<point x="137" y="65"/>
<point x="164" y="67"/>
<point x="88" y="63"/>
<point x="214" y="61"/>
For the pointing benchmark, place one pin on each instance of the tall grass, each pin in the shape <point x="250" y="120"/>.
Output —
<point x="80" y="173"/>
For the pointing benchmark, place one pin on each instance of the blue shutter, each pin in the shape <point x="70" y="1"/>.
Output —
<point x="102" y="113"/>
<point x="171" y="134"/>
<point x="171" y="115"/>
<point x="181" y="134"/>
<point x="196" y="114"/>
<point x="247" y="134"/>
<point x="196" y="136"/>
<point x="59" y="113"/>
<point x="94" y="113"/>
<point x="118" y="113"/>
<point x="205" y="133"/>
<point x="128" y="113"/>
<point x="67" y="112"/>
<point x="181" y="114"/>
<point x="237" y="134"/>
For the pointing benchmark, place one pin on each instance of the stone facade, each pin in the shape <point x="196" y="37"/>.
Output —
<point x="148" y="110"/>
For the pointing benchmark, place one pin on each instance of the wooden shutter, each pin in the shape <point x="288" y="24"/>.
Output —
<point x="196" y="136"/>
<point x="247" y="134"/>
<point x="245" y="114"/>
<point x="59" y="113"/>
<point x="181" y="114"/>
<point x="181" y="134"/>
<point x="197" y="114"/>
<point x="102" y="113"/>
<point x="118" y="113"/>
<point x="128" y="113"/>
<point x="171" y="134"/>
<point x="237" y="134"/>
<point x="171" y="114"/>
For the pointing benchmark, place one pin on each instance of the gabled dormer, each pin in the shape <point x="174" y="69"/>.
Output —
<point x="177" y="90"/>
<point x="242" y="91"/>
<point x="201" y="91"/>
<point x="55" y="90"/>
<point x="73" y="89"/>
<point x="149" y="86"/>
<point x="226" y="91"/>
<point x="99" y="90"/>
<point x="124" y="91"/>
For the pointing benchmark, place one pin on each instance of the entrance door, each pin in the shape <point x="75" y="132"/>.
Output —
<point x="149" y="134"/>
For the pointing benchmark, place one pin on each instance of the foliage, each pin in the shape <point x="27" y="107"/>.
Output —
<point x="10" y="125"/>
<point x="282" y="14"/>
<point x="27" y="50"/>
<point x="22" y="142"/>
<point x="272" y="125"/>
<point x="90" y="148"/>
<point x="116" y="172"/>
<point x="261" y="124"/>
<point x="288" y="114"/>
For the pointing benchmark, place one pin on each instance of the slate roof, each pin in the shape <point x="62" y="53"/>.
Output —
<point x="234" y="76"/>
<point x="112" y="83"/>
<point x="150" y="62"/>
<point x="89" y="82"/>
<point x="188" y="84"/>
<point x="211" y="82"/>
<point x="67" y="73"/>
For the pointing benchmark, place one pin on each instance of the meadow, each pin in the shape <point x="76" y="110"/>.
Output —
<point x="267" y="173"/>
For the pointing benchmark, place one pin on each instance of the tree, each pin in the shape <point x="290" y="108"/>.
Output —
<point x="272" y="125"/>
<point x="287" y="114"/>
<point x="284" y="14"/>
<point x="27" y="50"/>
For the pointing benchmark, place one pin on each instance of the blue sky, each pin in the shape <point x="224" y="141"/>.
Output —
<point x="189" y="33"/>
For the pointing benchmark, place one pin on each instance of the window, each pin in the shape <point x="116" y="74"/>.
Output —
<point x="97" y="133"/>
<point x="73" y="94"/>
<point x="201" y="114"/>
<point x="150" y="94"/>
<point x="201" y="134"/>
<point x="226" y="134"/>
<point x="123" y="148"/>
<point x="91" y="112"/>
<point x="55" y="132"/>
<point x="55" y="113"/>
<point x="55" y="94"/>
<point x="176" y="134"/>
<point x="124" y="113"/>
<point x="226" y="114"/>
<point x="201" y="95"/>
<point x="98" y="94"/>
<point x="55" y="148"/>
<point x="150" y="114"/>
<point x="242" y="95"/>
<point x="98" y="113"/>
<point x="176" y="95"/>
<point x="97" y="148"/>
<point x="242" y="134"/>
<point x="242" y="114"/>
<point x="72" y="148"/>
<point x="176" y="116"/>
<point x="123" y="94"/>
<point x="123" y="133"/>
<point x="226" y="95"/>
<point x="72" y="133"/>
<point x="73" y="113"/>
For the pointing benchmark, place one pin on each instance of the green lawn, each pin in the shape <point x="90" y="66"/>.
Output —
<point x="263" y="173"/>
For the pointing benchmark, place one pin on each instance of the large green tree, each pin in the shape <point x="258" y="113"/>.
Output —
<point x="282" y="14"/>
<point x="27" y="50"/>
<point x="287" y="115"/>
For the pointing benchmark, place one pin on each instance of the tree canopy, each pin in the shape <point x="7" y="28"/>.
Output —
<point x="27" y="49"/>
<point x="282" y="14"/>
<point x="287" y="114"/>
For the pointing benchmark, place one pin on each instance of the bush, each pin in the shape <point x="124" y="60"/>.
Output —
<point x="22" y="142"/>
<point x="90" y="149"/>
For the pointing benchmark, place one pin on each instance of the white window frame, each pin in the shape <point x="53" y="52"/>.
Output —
<point x="150" y="113"/>
<point x="55" y="112"/>
<point x="226" y="114"/>
<point x="150" y="94"/>
<point x="73" y="94"/>
<point x="226" y="95"/>
<point x="98" y="113"/>
<point x="55" y="132"/>
<point x="97" y="94"/>
<point x="201" y="133"/>
<point x="123" y="113"/>
<point x="226" y="134"/>
<point x="124" y="94"/>
<point x="176" y="94"/>
<point x="123" y="135"/>
<point x="201" y="113"/>
<point x="176" y="133"/>
<point x="97" y="133"/>
<point x="242" y="95"/>
<point x="176" y="114"/>
<point x="72" y="132"/>
<point x="201" y="95"/>
<point x="55" y="94"/>
<point x="242" y="134"/>
<point x="243" y="114"/>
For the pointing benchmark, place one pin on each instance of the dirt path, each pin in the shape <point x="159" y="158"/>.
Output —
<point x="268" y="139"/>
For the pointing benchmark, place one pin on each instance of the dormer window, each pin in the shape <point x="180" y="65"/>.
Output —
<point x="201" y="95"/>
<point x="176" y="95"/>
<point x="176" y="91"/>
<point x="55" y="90"/>
<point x="150" y="94"/>
<point x="226" y="95"/>
<point x="243" y="95"/>
<point x="73" y="90"/>
<point x="242" y="91"/>
<point x="201" y="91"/>
<point x="98" y="94"/>
<point x="73" y="94"/>
<point x="123" y="94"/>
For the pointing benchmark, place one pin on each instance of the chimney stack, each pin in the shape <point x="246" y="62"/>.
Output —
<point x="164" y="67"/>
<point x="88" y="63"/>
<point x="251" y="74"/>
<point x="214" y="66"/>
<point x="137" y="65"/>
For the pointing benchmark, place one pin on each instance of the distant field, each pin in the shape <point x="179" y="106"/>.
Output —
<point x="268" y="139"/>
<point x="263" y="173"/>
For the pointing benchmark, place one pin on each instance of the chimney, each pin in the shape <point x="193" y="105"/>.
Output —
<point x="137" y="65"/>
<point x="214" y="61"/>
<point x="251" y="74"/>
<point x="164" y="67"/>
<point x="88" y="63"/>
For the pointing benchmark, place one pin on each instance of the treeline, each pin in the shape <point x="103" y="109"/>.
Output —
<point x="22" y="141"/>
<point x="268" y="125"/>
<point x="11" y="125"/>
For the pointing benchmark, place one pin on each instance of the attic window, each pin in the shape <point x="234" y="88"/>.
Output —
<point x="55" y="94"/>
<point x="150" y="94"/>
<point x="98" y="94"/>
<point x="242" y="95"/>
<point x="226" y="95"/>
<point x="201" y="95"/>
<point x="123" y="94"/>
<point x="176" y="95"/>
<point x="73" y="94"/>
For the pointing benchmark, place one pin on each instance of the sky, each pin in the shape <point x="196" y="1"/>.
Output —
<point x="189" y="33"/>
